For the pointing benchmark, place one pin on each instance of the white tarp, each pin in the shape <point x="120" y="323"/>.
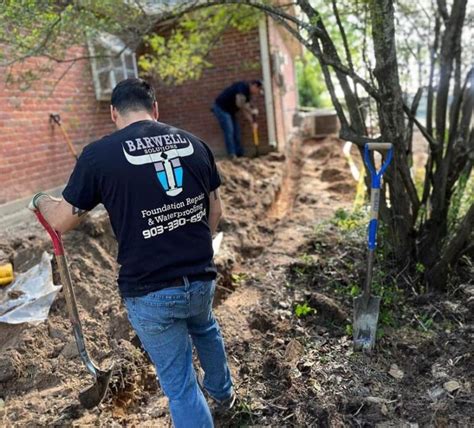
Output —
<point x="30" y="296"/>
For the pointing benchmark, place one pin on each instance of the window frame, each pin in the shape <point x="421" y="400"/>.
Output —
<point x="117" y="50"/>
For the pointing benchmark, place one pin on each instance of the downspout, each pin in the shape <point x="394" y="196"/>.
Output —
<point x="267" y="81"/>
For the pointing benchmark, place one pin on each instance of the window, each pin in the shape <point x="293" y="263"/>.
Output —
<point x="111" y="62"/>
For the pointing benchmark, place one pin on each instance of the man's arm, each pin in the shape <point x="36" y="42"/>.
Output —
<point x="60" y="214"/>
<point x="215" y="210"/>
<point x="244" y="106"/>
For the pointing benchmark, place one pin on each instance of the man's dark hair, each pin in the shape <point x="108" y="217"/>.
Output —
<point x="133" y="95"/>
<point x="256" y="82"/>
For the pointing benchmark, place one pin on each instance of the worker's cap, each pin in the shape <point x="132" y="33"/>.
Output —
<point x="258" y="83"/>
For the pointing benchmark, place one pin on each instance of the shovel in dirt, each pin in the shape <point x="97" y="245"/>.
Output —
<point x="366" y="306"/>
<point x="93" y="395"/>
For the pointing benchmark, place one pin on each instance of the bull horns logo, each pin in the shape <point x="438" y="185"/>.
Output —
<point x="169" y="171"/>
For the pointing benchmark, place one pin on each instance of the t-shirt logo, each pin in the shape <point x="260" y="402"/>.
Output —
<point x="164" y="152"/>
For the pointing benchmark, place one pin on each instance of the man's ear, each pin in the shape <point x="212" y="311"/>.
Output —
<point x="113" y="114"/>
<point x="156" y="113"/>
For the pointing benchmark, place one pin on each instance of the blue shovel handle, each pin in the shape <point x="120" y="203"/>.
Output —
<point x="376" y="179"/>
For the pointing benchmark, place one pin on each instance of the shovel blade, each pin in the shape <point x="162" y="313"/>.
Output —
<point x="92" y="396"/>
<point x="366" y="316"/>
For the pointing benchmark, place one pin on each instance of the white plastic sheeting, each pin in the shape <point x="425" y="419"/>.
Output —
<point x="30" y="296"/>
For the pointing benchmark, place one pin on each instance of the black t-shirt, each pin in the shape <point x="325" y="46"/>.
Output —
<point x="226" y="100"/>
<point x="154" y="180"/>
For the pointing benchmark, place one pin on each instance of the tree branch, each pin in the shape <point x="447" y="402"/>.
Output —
<point x="433" y="143"/>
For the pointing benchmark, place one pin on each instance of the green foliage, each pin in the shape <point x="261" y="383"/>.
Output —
<point x="238" y="278"/>
<point x="354" y="290"/>
<point x="48" y="29"/>
<point x="349" y="221"/>
<point x="462" y="199"/>
<point x="306" y="258"/>
<point x="305" y="266"/>
<point x="311" y="87"/>
<point x="183" y="54"/>
<point x="348" y="329"/>
<point x="420" y="268"/>
<point x="303" y="310"/>
<point x="426" y="322"/>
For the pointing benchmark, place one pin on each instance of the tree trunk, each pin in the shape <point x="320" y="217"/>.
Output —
<point x="437" y="276"/>
<point x="392" y="127"/>
<point x="435" y="230"/>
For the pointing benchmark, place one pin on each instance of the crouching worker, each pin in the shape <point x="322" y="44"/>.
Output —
<point x="159" y="185"/>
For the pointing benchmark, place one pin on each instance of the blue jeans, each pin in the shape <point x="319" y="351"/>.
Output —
<point x="166" y="321"/>
<point x="231" y="130"/>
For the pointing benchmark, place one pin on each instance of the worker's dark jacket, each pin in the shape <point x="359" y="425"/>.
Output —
<point x="226" y="100"/>
<point x="154" y="180"/>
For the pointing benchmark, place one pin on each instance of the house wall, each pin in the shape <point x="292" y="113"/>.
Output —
<point x="235" y="57"/>
<point x="33" y="154"/>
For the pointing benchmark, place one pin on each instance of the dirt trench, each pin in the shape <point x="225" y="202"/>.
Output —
<point x="271" y="204"/>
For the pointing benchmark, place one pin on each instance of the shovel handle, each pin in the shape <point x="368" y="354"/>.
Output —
<point x="54" y="234"/>
<point x="69" y="294"/>
<point x="255" y="136"/>
<point x="376" y="180"/>
<point x="376" y="176"/>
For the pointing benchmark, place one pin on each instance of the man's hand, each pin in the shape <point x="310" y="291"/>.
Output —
<point x="60" y="214"/>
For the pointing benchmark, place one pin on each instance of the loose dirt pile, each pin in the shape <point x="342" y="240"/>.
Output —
<point x="289" y="370"/>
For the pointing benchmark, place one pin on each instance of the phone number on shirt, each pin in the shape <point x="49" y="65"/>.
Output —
<point x="172" y="225"/>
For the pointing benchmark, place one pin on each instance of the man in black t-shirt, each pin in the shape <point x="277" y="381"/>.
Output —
<point x="232" y="99"/>
<point x="159" y="185"/>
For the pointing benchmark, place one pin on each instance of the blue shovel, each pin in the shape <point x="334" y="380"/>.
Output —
<point x="366" y="306"/>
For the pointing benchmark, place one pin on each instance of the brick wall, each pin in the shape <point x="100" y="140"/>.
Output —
<point x="235" y="57"/>
<point x="33" y="154"/>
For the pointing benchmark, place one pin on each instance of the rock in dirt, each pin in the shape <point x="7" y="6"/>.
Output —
<point x="327" y="307"/>
<point x="451" y="386"/>
<point x="395" y="372"/>
<point x="70" y="350"/>
<point x="294" y="351"/>
<point x="55" y="332"/>
<point x="436" y="393"/>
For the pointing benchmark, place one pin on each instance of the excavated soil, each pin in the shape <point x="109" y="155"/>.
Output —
<point x="279" y="250"/>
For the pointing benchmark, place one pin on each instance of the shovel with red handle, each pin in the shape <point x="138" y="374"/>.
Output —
<point x="93" y="395"/>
